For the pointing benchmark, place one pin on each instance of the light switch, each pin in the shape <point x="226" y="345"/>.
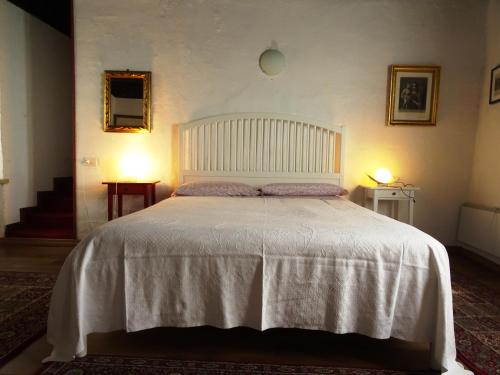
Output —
<point x="90" y="161"/>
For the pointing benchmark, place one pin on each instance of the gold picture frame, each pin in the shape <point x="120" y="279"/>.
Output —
<point x="127" y="101"/>
<point x="495" y="85"/>
<point x="412" y="95"/>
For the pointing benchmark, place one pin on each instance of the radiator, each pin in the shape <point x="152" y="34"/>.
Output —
<point x="479" y="230"/>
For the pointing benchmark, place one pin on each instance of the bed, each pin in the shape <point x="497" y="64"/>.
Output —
<point x="261" y="262"/>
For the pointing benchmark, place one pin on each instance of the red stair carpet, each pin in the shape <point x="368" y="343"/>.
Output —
<point x="52" y="217"/>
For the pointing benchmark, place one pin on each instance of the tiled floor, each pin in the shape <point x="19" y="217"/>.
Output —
<point x="276" y="346"/>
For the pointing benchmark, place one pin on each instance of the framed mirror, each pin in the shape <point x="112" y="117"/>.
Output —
<point x="127" y="98"/>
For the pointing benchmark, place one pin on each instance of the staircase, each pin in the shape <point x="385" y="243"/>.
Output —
<point x="52" y="217"/>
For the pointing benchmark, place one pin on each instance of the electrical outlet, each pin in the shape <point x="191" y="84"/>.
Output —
<point x="90" y="161"/>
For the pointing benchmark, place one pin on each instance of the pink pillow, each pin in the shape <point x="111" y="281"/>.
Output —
<point x="216" y="189"/>
<point x="303" y="189"/>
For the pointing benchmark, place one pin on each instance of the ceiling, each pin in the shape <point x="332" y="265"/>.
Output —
<point x="56" y="13"/>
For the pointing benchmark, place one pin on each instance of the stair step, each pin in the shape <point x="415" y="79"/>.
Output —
<point x="63" y="185"/>
<point x="55" y="201"/>
<point x="41" y="218"/>
<point x="53" y="217"/>
<point x="21" y="230"/>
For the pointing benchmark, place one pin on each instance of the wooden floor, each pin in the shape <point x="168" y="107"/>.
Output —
<point x="240" y="344"/>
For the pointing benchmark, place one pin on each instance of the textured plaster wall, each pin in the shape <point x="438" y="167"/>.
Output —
<point x="204" y="61"/>
<point x="36" y="125"/>
<point x="485" y="185"/>
<point x="2" y="204"/>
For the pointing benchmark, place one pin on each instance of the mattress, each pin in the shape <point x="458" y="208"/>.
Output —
<point x="260" y="262"/>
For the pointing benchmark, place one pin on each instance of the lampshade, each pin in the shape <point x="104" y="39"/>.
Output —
<point x="272" y="62"/>
<point x="383" y="176"/>
<point x="134" y="167"/>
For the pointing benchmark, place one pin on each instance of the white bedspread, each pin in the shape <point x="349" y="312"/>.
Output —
<point x="256" y="262"/>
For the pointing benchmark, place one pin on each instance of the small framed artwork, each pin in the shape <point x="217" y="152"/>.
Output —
<point x="412" y="95"/>
<point x="495" y="85"/>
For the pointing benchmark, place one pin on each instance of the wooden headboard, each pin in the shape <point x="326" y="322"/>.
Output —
<point x="259" y="148"/>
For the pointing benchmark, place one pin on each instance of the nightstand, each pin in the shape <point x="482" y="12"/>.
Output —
<point x="146" y="189"/>
<point x="393" y="194"/>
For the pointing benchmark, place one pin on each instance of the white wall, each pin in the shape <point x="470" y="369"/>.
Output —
<point x="485" y="183"/>
<point x="36" y="107"/>
<point x="1" y="148"/>
<point x="2" y="204"/>
<point x="204" y="61"/>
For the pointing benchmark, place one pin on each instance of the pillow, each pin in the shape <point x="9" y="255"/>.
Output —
<point x="303" y="189"/>
<point x="216" y="189"/>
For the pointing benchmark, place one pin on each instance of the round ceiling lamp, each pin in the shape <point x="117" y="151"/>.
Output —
<point x="272" y="62"/>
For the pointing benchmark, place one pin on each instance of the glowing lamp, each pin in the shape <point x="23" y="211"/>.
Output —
<point x="134" y="167"/>
<point x="382" y="176"/>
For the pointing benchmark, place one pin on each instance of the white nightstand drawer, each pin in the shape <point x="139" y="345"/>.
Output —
<point x="392" y="194"/>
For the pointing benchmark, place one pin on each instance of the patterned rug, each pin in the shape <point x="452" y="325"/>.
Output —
<point x="477" y="325"/>
<point x="24" y="303"/>
<point x="109" y="365"/>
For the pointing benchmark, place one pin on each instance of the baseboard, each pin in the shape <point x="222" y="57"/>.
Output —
<point x="485" y="262"/>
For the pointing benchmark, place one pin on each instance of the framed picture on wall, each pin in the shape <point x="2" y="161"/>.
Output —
<point x="412" y="97"/>
<point x="495" y="85"/>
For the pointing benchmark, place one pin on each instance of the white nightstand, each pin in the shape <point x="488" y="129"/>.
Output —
<point x="394" y="194"/>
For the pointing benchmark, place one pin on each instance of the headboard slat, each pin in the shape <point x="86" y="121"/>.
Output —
<point x="260" y="146"/>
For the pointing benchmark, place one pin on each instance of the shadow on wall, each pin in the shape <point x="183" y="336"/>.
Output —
<point x="357" y="195"/>
<point x="49" y="83"/>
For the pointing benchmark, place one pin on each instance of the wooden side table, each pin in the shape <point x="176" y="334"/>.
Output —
<point x="394" y="194"/>
<point x="146" y="189"/>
